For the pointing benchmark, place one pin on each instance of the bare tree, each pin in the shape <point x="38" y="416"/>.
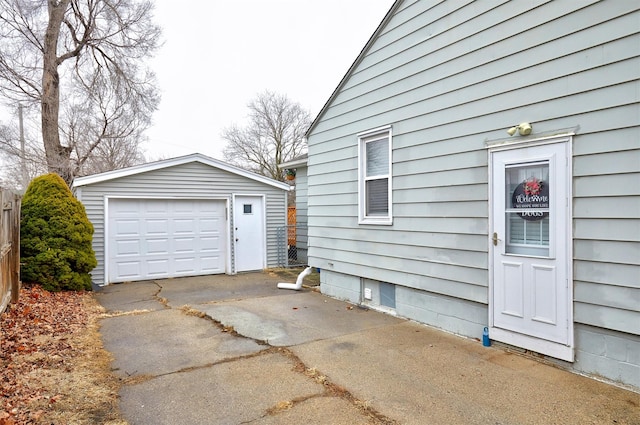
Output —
<point x="275" y="134"/>
<point x="20" y="164"/>
<point x="92" y="52"/>
<point x="102" y="142"/>
<point x="112" y="154"/>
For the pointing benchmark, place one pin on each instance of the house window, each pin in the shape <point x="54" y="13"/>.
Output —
<point x="375" y="176"/>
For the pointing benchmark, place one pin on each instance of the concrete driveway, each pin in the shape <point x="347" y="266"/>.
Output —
<point x="237" y="350"/>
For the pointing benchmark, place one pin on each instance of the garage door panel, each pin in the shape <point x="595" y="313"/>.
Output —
<point x="211" y="263"/>
<point x="210" y="244"/>
<point x="156" y="226"/>
<point x="209" y="225"/>
<point x="158" y="246"/>
<point x="184" y="226"/>
<point x="129" y="269"/>
<point x="185" y="245"/>
<point x="163" y="238"/>
<point x="185" y="265"/>
<point x="155" y="207"/>
<point x="127" y="247"/>
<point x="128" y="207"/>
<point x="214" y="209"/>
<point x="186" y="207"/>
<point x="157" y="266"/>
<point x="128" y="227"/>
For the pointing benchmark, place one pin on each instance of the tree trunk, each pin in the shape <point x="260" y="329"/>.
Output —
<point x="58" y="156"/>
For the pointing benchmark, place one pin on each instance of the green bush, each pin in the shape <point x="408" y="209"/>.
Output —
<point x="55" y="237"/>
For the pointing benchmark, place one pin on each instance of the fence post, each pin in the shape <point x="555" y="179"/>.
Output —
<point x="9" y="248"/>
<point x="15" y="249"/>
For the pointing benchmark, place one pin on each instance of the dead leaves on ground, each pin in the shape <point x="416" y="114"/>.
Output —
<point x="50" y="351"/>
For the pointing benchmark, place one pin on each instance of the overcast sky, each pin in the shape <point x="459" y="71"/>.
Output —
<point x="218" y="55"/>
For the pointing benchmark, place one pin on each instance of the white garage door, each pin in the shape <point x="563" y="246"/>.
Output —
<point x="161" y="238"/>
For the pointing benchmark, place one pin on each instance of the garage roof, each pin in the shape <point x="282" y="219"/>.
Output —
<point x="157" y="165"/>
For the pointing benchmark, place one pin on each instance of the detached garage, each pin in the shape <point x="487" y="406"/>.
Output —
<point x="185" y="216"/>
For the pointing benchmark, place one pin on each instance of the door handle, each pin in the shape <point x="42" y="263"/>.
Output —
<point x="495" y="239"/>
<point x="236" y="239"/>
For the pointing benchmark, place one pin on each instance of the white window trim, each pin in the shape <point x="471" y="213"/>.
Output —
<point x="362" y="139"/>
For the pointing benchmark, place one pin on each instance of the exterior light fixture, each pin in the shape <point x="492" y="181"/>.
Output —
<point x="524" y="129"/>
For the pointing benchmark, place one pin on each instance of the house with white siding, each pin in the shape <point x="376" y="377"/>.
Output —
<point x="186" y="216"/>
<point x="479" y="166"/>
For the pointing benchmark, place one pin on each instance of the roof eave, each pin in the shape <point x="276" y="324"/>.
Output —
<point x="196" y="157"/>
<point x="293" y="164"/>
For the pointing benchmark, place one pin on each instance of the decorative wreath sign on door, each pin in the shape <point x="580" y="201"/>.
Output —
<point x="531" y="194"/>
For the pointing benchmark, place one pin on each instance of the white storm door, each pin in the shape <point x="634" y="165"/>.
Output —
<point x="249" y="226"/>
<point x="531" y="296"/>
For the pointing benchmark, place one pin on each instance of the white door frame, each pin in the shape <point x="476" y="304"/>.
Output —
<point x="560" y="351"/>
<point x="263" y="225"/>
<point x="105" y="219"/>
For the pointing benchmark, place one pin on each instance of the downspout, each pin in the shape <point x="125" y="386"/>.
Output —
<point x="296" y="286"/>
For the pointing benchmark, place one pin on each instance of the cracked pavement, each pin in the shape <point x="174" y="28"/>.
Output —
<point x="237" y="350"/>
<point x="194" y="353"/>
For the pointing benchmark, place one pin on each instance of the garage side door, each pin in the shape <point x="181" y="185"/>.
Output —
<point x="160" y="238"/>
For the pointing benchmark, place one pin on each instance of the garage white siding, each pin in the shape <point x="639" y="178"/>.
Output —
<point x="193" y="177"/>
<point x="160" y="238"/>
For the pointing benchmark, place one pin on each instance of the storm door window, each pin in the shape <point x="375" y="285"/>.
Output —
<point x="375" y="177"/>
<point x="528" y="209"/>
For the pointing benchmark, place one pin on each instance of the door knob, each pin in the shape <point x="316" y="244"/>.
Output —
<point x="495" y="238"/>
<point x="236" y="239"/>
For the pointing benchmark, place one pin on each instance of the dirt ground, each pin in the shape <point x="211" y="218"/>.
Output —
<point x="54" y="369"/>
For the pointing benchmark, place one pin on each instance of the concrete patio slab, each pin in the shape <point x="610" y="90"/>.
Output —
<point x="128" y="297"/>
<point x="419" y="375"/>
<point x="294" y="317"/>
<point x="246" y="352"/>
<point x="167" y="341"/>
<point x="205" y="289"/>
<point x="227" y="393"/>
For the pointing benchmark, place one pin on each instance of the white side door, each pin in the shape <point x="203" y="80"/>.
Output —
<point x="531" y="296"/>
<point x="249" y="231"/>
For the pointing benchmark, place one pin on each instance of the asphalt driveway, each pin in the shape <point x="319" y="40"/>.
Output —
<point x="237" y="350"/>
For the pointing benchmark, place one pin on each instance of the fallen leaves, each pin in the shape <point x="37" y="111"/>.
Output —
<point x="48" y="344"/>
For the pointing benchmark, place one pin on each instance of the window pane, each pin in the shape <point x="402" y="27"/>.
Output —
<point x="527" y="180"/>
<point x="377" y="197"/>
<point x="528" y="202"/>
<point x="377" y="157"/>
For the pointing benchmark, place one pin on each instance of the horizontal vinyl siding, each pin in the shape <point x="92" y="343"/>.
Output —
<point x="94" y="205"/>
<point x="276" y="208"/>
<point x="607" y="229"/>
<point x="496" y="65"/>
<point x="449" y="76"/>
<point x="191" y="180"/>
<point x="302" y="198"/>
<point x="302" y="214"/>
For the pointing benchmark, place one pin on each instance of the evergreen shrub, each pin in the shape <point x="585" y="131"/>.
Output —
<point x="55" y="237"/>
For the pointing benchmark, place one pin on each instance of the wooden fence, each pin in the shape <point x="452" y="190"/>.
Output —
<point x="9" y="248"/>
<point x="291" y="221"/>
